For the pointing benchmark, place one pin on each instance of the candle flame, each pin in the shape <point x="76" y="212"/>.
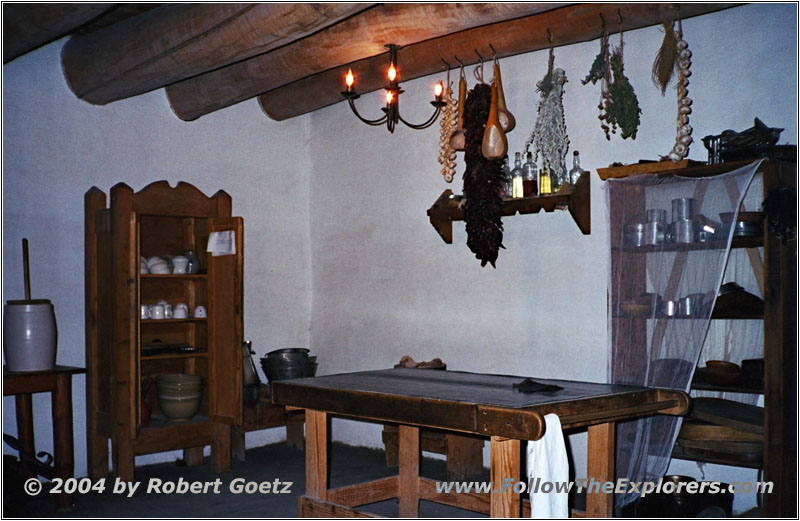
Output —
<point x="389" y="98"/>
<point x="438" y="89"/>
<point x="349" y="79"/>
<point x="392" y="73"/>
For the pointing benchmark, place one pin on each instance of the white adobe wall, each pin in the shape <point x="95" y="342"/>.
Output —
<point x="339" y="252"/>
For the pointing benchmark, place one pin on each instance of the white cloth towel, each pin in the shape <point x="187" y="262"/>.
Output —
<point x="547" y="468"/>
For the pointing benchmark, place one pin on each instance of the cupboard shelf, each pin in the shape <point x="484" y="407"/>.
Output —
<point x="737" y="242"/>
<point x="167" y="321"/>
<point x="174" y="356"/>
<point x="192" y="276"/>
<point x="447" y="208"/>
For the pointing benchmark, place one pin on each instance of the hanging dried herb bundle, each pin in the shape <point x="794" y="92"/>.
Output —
<point x="619" y="106"/>
<point x="664" y="64"/>
<point x="599" y="70"/>
<point x="483" y="179"/>
<point x="622" y="109"/>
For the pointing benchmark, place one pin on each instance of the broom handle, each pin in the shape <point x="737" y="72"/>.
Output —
<point x="26" y="266"/>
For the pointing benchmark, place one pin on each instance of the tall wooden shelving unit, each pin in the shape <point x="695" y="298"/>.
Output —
<point x="779" y="459"/>
<point x="159" y="220"/>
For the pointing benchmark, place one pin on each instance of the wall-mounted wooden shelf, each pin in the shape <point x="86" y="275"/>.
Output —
<point x="447" y="208"/>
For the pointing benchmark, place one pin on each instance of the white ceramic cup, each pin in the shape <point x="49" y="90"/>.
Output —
<point x="180" y="311"/>
<point x="145" y="312"/>
<point x="200" y="312"/>
<point x="168" y="311"/>
<point x="157" y="312"/>
<point x="180" y="264"/>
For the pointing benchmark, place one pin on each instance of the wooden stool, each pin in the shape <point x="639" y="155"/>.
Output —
<point x="58" y="382"/>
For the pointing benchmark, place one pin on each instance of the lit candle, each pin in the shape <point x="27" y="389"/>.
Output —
<point x="392" y="72"/>
<point x="437" y="90"/>
<point x="349" y="80"/>
<point x="389" y="98"/>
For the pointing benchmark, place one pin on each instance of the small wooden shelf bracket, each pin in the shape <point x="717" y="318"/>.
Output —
<point x="577" y="201"/>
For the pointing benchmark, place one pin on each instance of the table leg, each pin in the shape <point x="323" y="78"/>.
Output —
<point x="63" y="450"/>
<point x="505" y="472"/>
<point x="294" y="431"/>
<point x="600" y="466"/>
<point x="408" y="441"/>
<point x="27" y="446"/>
<point x="316" y="454"/>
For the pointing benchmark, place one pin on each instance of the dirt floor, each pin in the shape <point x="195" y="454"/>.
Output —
<point x="264" y="464"/>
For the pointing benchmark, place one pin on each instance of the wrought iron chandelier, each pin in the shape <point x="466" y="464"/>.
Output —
<point x="391" y="112"/>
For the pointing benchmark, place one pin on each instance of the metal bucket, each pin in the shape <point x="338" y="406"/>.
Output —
<point x="29" y="335"/>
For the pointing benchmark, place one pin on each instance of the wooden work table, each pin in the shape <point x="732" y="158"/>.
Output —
<point x="463" y="402"/>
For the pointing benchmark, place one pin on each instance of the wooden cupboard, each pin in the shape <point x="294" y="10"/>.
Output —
<point x="124" y="351"/>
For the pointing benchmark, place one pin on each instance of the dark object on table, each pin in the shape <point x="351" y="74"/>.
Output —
<point x="757" y="141"/>
<point x="780" y="207"/>
<point x="531" y="386"/>
<point x="288" y="364"/>
<point x="408" y="362"/>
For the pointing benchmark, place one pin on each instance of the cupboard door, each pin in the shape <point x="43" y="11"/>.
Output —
<point x="225" y="310"/>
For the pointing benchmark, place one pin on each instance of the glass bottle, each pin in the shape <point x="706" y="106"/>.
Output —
<point x="507" y="184"/>
<point x="557" y="177"/>
<point x="545" y="185"/>
<point x="576" y="171"/>
<point x="529" y="188"/>
<point x="516" y="177"/>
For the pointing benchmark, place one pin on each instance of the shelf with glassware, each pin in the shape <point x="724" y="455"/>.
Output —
<point x="574" y="198"/>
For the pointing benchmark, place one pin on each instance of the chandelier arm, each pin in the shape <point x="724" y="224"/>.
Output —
<point x="373" y="122"/>
<point x="422" y="125"/>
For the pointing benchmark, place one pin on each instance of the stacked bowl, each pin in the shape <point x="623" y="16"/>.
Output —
<point x="179" y="395"/>
<point x="289" y="363"/>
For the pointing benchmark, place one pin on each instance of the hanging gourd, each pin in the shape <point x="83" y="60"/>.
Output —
<point x="457" y="141"/>
<point x="507" y="119"/>
<point x="495" y="144"/>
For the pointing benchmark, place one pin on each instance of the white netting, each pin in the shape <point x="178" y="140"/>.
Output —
<point x="663" y="286"/>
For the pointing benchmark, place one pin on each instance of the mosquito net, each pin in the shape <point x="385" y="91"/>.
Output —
<point x="670" y="243"/>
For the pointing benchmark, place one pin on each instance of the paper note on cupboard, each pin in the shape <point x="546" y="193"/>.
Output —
<point x="222" y="243"/>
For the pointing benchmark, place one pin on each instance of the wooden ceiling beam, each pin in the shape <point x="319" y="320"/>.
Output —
<point x="177" y="41"/>
<point x="353" y="39"/>
<point x="569" y="25"/>
<point x="28" y="26"/>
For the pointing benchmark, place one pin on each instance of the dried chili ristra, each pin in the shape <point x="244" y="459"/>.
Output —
<point x="483" y="180"/>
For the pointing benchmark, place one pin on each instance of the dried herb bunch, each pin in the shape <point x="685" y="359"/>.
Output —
<point x="619" y="106"/>
<point x="483" y="179"/>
